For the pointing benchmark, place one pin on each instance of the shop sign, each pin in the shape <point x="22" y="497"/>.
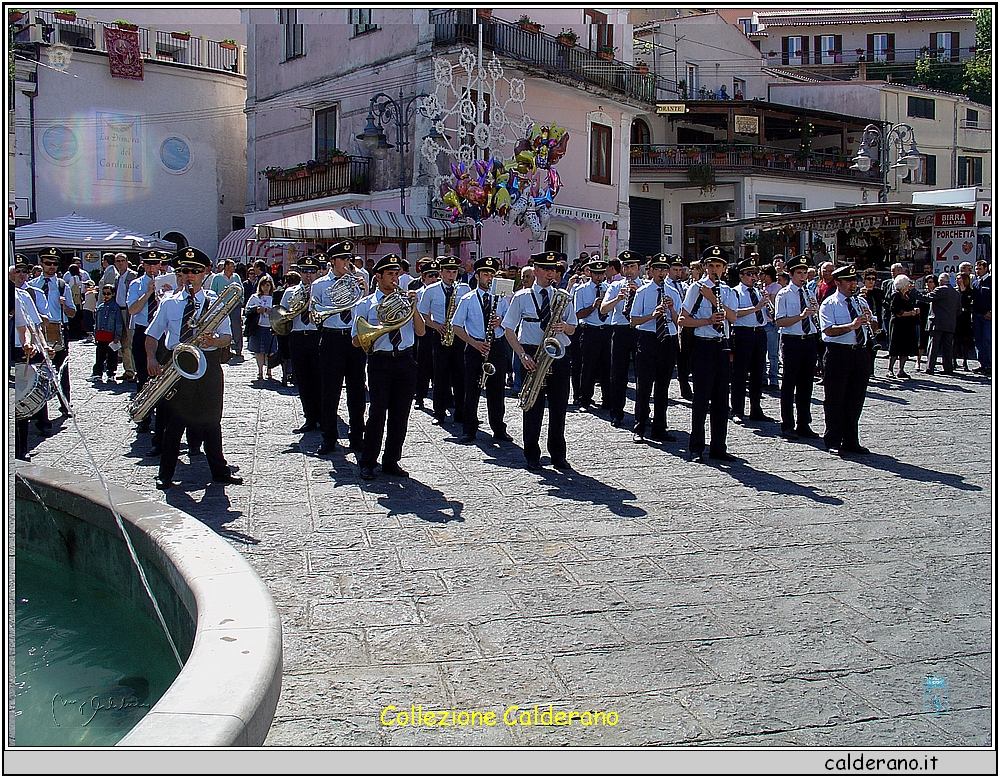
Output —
<point x="662" y="108"/>
<point x="952" y="246"/>
<point x="747" y="125"/>
<point x="954" y="218"/>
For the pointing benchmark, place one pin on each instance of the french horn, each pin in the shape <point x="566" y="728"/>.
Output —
<point x="343" y="294"/>
<point x="393" y="312"/>
<point x="281" y="317"/>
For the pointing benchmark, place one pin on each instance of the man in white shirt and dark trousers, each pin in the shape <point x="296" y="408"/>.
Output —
<point x="675" y="279"/>
<point x="524" y="324"/>
<point x="795" y="315"/>
<point x="749" y="344"/>
<point x="474" y="318"/>
<point x="709" y="304"/>
<point x="392" y="373"/>
<point x="654" y="315"/>
<point x="846" y="327"/>
<point x="618" y="302"/>
<point x="303" y="348"/>
<point x="437" y="304"/>
<point x="59" y="309"/>
<point x="595" y="336"/>
<point x="142" y="302"/>
<point x="126" y="275"/>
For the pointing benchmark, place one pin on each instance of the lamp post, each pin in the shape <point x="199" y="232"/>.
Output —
<point x="896" y="138"/>
<point x="383" y="110"/>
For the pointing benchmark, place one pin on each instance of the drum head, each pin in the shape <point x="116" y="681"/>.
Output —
<point x="25" y="376"/>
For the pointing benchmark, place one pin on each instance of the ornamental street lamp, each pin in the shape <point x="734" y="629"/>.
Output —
<point x="383" y="110"/>
<point x="892" y="139"/>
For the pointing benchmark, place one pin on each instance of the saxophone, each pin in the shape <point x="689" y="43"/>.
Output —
<point x="448" y="336"/>
<point x="548" y="350"/>
<point x="162" y="386"/>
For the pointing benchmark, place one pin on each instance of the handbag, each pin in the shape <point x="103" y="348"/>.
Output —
<point x="225" y="354"/>
<point x="104" y="336"/>
<point x="251" y="320"/>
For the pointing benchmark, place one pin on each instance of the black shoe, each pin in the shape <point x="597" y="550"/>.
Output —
<point x="722" y="456"/>
<point x="788" y="434"/>
<point x="194" y="451"/>
<point x="305" y="428"/>
<point x="903" y="374"/>
<point x="617" y="421"/>
<point x="737" y="418"/>
<point x="638" y="437"/>
<point x="469" y="437"/>
<point x="502" y="436"/>
<point x="806" y="432"/>
<point x="154" y="451"/>
<point x="227" y="478"/>
<point x="663" y="435"/>
<point x="439" y="420"/>
<point x="162" y="484"/>
<point x="561" y="464"/>
<point x="533" y="465"/>
<point x="760" y="416"/>
<point x="854" y="450"/>
<point x="394" y="470"/>
<point x="367" y="473"/>
<point x="698" y="457"/>
<point x="326" y="448"/>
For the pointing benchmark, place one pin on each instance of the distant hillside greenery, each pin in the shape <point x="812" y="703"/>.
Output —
<point x="974" y="78"/>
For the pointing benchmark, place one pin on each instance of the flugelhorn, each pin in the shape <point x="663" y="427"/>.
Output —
<point x="393" y="312"/>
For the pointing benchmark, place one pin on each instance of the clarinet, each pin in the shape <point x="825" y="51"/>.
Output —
<point x="863" y="307"/>
<point x="723" y="326"/>
<point x="488" y="367"/>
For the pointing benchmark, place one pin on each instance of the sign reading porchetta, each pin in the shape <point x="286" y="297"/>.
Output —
<point x="124" y="56"/>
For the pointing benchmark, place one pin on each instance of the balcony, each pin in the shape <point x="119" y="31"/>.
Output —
<point x="350" y="177"/>
<point x="540" y="52"/>
<point x="872" y="57"/>
<point x="158" y="45"/>
<point x="750" y="161"/>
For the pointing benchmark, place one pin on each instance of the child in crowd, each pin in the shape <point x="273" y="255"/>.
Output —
<point x="108" y="328"/>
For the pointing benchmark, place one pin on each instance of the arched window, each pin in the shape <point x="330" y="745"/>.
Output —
<point x="640" y="133"/>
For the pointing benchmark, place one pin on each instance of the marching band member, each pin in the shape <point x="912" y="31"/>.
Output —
<point x="59" y="308"/>
<point x="654" y="315"/>
<point x="749" y="344"/>
<point x="303" y="348"/>
<point x="23" y="346"/>
<point x="618" y="302"/>
<point x="142" y="301"/>
<point x="430" y="273"/>
<point x="794" y="313"/>
<point x="675" y="278"/>
<point x="710" y="355"/>
<point x="524" y="325"/>
<point x="437" y="304"/>
<point x="595" y="337"/>
<point x="197" y="403"/>
<point x="474" y="316"/>
<point x="392" y="374"/>
<point x="846" y="328"/>
<point x="338" y="361"/>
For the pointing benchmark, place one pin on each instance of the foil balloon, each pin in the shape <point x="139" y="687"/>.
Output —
<point x="532" y="221"/>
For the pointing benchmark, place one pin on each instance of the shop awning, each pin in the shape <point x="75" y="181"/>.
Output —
<point x="362" y="224"/>
<point x="234" y="245"/>
<point x="75" y="232"/>
<point x="860" y="217"/>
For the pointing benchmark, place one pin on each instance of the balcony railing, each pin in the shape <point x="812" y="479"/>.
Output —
<point x="679" y="157"/>
<point x="153" y="44"/>
<point x="543" y="52"/>
<point x="336" y="178"/>
<point x="870" y="56"/>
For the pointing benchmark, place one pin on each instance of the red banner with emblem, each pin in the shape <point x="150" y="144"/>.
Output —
<point x="124" y="55"/>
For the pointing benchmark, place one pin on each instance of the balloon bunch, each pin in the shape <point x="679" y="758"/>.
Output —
<point x="519" y="190"/>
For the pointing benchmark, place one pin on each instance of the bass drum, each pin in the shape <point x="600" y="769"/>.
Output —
<point x="34" y="385"/>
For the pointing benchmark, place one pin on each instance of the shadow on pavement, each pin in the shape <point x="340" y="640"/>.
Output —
<point x="411" y="497"/>
<point x="764" y="481"/>
<point x="214" y="510"/>
<point x="889" y="464"/>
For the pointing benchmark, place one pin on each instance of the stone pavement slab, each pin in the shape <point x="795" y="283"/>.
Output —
<point x="791" y="599"/>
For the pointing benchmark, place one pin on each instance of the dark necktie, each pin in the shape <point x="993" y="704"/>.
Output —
<point x="545" y="313"/>
<point x="629" y="302"/>
<point x="806" y="322"/>
<point x="859" y="333"/>
<point x="151" y="303"/>
<point x="754" y="299"/>
<point x="45" y="290"/>
<point x="345" y="316"/>
<point x="187" y="320"/>
<point x="661" y="320"/>
<point x="487" y="305"/>
<point x="597" y="302"/>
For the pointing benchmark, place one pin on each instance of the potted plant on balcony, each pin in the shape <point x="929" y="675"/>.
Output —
<point x="272" y="172"/>
<point x="65" y="15"/>
<point x="14" y="15"/>
<point x="484" y="13"/>
<point x="123" y="24"/>
<point x="181" y="36"/>
<point x="635" y="152"/>
<point x="691" y="152"/>
<point x="641" y="67"/>
<point x="227" y="43"/>
<point x="606" y="52"/>
<point x="567" y="37"/>
<point x="702" y="176"/>
<point x="526" y="24"/>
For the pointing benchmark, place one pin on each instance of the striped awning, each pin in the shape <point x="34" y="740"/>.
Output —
<point x="234" y="245"/>
<point x="80" y="233"/>
<point x="362" y="224"/>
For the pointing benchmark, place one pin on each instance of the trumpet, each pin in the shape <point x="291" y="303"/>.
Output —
<point x="395" y="310"/>
<point x="864" y="308"/>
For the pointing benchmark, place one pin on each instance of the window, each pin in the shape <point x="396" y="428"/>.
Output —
<point x="288" y="19"/>
<point x="640" y="133"/>
<point x="882" y="47"/>
<point x="920" y="107"/>
<point x="971" y="118"/>
<point x="794" y="50"/>
<point x="944" y="46"/>
<point x="828" y="49"/>
<point x="925" y="174"/>
<point x="693" y="82"/>
<point x="600" y="153"/>
<point x="239" y="222"/>
<point x="361" y="18"/>
<point x="970" y="171"/>
<point x="747" y="26"/>
<point x="325" y="122"/>
<point x="601" y="33"/>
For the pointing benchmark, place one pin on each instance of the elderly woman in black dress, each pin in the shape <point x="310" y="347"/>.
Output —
<point x="904" y="326"/>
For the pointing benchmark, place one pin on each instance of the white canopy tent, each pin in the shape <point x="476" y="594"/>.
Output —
<point x="78" y="233"/>
<point x="362" y="224"/>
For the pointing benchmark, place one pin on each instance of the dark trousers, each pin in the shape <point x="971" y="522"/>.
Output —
<point x="303" y="348"/>
<point x="21" y="425"/>
<point x="197" y="406"/>
<point x="798" y="366"/>
<point x="139" y="356"/>
<point x="556" y="392"/>
<point x="710" y="366"/>
<point x="624" y="341"/>
<point x="576" y="363"/>
<point x="341" y="362"/>
<point x="425" y="365"/>
<point x="499" y="357"/>
<point x="684" y="357"/>
<point x="105" y="361"/>
<point x="749" y="356"/>
<point x="390" y="383"/>
<point x="595" y="346"/>
<point x="449" y="378"/>
<point x="943" y="345"/>
<point x="845" y="380"/>
<point x="60" y="364"/>
<point x="654" y="367"/>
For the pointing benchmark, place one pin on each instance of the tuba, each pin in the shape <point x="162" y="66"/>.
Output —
<point x="393" y="312"/>
<point x="187" y="361"/>
<point x="548" y="350"/>
<point x="281" y="318"/>
<point x="343" y="294"/>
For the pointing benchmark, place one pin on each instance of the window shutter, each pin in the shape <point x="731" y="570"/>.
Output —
<point x="930" y="161"/>
<point x="818" y="48"/>
<point x="977" y="170"/>
<point x="954" y="47"/>
<point x="871" y="47"/>
<point x="838" y="46"/>
<point x="890" y="55"/>
<point x="784" y="50"/>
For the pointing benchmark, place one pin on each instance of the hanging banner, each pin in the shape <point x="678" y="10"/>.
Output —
<point x="124" y="56"/>
<point x="119" y="148"/>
